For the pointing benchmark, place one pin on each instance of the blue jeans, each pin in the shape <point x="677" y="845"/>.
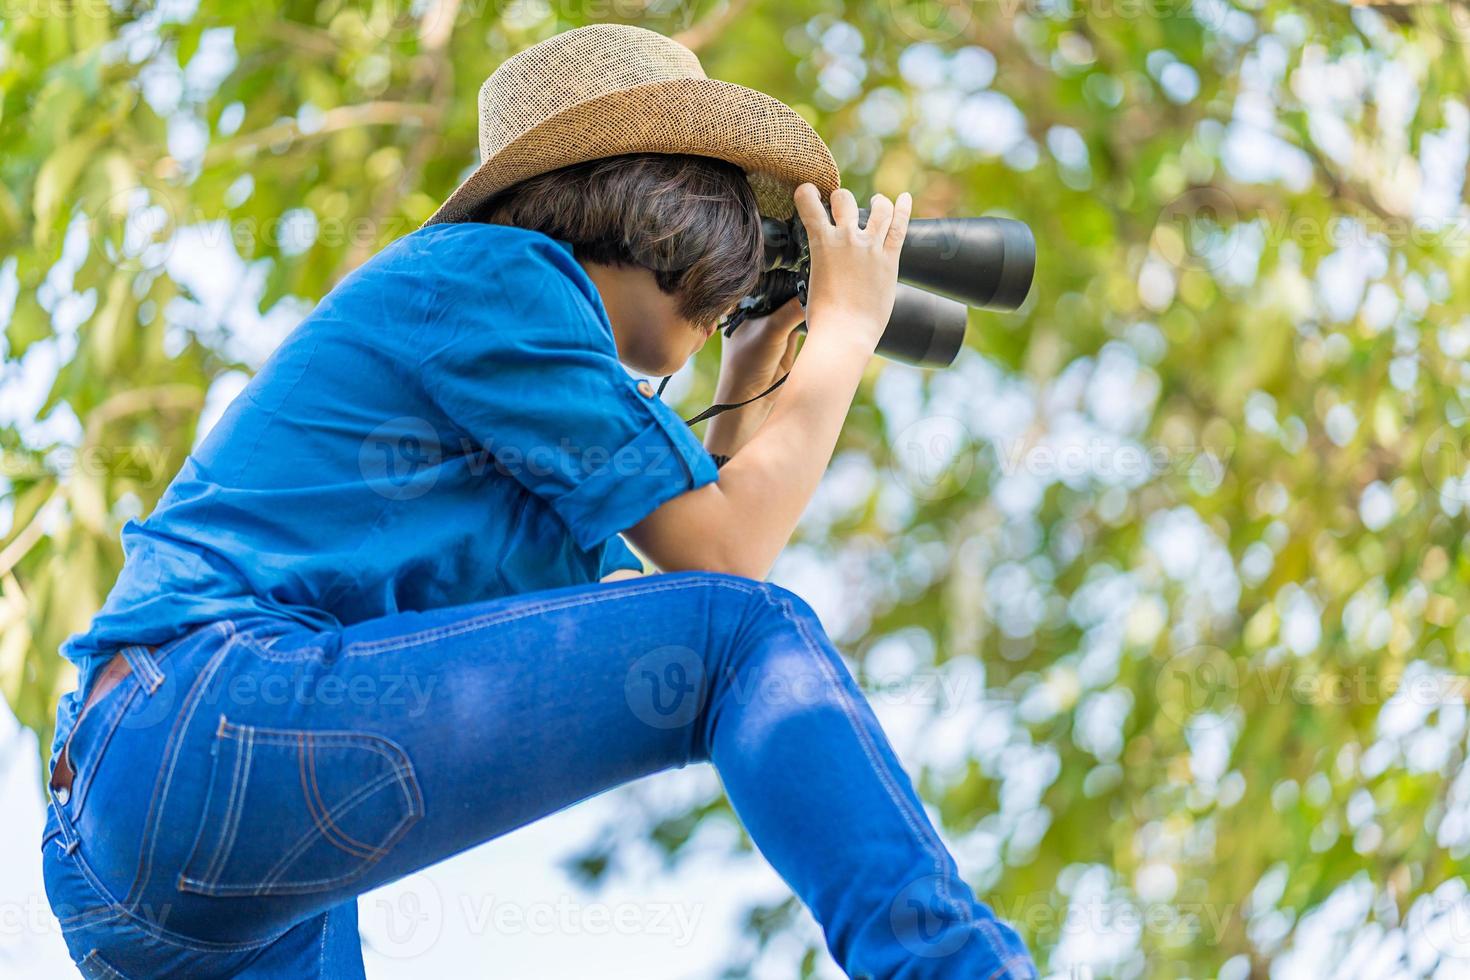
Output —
<point x="245" y="782"/>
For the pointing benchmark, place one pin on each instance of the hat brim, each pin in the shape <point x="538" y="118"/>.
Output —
<point x="770" y="141"/>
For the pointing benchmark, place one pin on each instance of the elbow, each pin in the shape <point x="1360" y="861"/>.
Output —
<point x="742" y="555"/>
<point x="726" y="557"/>
<point x="754" y="570"/>
<point x="702" y="531"/>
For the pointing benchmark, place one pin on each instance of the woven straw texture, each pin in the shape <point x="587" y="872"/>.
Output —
<point x="612" y="89"/>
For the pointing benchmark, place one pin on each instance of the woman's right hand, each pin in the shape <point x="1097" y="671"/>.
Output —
<point x="739" y="524"/>
<point x="854" y="270"/>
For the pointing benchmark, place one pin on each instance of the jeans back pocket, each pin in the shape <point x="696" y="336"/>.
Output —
<point x="296" y="811"/>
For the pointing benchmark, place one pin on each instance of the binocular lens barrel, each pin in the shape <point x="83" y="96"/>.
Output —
<point x="946" y="264"/>
<point x="987" y="263"/>
<point x="925" y="329"/>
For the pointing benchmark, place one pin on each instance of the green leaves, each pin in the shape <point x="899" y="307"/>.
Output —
<point x="1234" y="286"/>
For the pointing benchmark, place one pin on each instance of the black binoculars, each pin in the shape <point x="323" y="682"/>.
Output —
<point x="946" y="264"/>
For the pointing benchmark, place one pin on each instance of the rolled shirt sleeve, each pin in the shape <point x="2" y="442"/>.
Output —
<point x="528" y="370"/>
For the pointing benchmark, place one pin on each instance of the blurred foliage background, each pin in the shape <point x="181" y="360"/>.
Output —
<point x="1162" y="582"/>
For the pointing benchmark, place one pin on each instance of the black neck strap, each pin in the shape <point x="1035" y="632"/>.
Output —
<point x="714" y="410"/>
<point x="728" y="327"/>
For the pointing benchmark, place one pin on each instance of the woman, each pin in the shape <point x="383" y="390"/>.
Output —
<point x="371" y="622"/>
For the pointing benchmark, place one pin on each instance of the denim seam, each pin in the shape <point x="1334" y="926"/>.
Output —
<point x="410" y="817"/>
<point x="325" y="817"/>
<point x="363" y="792"/>
<point x="158" y="654"/>
<point x="265" y="652"/>
<point x="268" y="888"/>
<point x="88" y="919"/>
<point x="289" y="737"/>
<point x="914" y="822"/>
<point x="406" y="779"/>
<point x="142" y="664"/>
<point x="144" y="675"/>
<point x="99" y="914"/>
<point x="244" y="753"/>
<point x="238" y="803"/>
<point x="172" y="749"/>
<point x="103" y="968"/>
<point x="402" y="774"/>
<point x="375" y="647"/>
<point x="68" y="835"/>
<point x="122" y="911"/>
<point x="106" y="912"/>
<point x="211" y="886"/>
<point x="322" y="946"/>
<point x="106" y="718"/>
<point x="407" y="783"/>
<point x="132" y="920"/>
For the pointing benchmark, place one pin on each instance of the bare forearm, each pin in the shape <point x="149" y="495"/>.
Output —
<point x="747" y="517"/>
<point x="770" y="482"/>
<point x="751" y="360"/>
<point x="730" y="431"/>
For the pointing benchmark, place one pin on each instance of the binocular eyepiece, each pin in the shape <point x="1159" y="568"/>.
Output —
<point x="946" y="264"/>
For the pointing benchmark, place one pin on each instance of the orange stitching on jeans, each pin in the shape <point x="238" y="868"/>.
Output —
<point x="316" y="805"/>
<point x="372" y="852"/>
<point x="288" y="858"/>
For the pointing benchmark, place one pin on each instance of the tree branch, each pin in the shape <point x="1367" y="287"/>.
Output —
<point x="712" y="25"/>
<point x="333" y="120"/>
<point x="303" y="36"/>
<point x="124" y="403"/>
<point x="28" y="536"/>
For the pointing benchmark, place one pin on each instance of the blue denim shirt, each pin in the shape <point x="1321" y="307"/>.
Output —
<point x="450" y="424"/>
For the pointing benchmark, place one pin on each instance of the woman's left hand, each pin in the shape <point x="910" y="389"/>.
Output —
<point x="753" y="358"/>
<point x="758" y="353"/>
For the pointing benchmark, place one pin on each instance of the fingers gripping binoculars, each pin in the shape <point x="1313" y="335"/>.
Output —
<point x="946" y="265"/>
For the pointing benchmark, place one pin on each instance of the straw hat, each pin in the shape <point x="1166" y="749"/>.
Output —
<point x="611" y="89"/>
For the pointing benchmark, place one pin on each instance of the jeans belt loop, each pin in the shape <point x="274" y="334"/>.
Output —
<point x="131" y="659"/>
<point x="140" y="659"/>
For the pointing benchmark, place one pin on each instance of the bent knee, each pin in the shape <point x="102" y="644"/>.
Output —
<point x="721" y="589"/>
<point x="789" y="602"/>
<point x="703" y="577"/>
<point x="776" y="594"/>
<point x="750" y="601"/>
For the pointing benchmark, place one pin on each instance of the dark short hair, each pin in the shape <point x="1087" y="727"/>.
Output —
<point x="690" y="220"/>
